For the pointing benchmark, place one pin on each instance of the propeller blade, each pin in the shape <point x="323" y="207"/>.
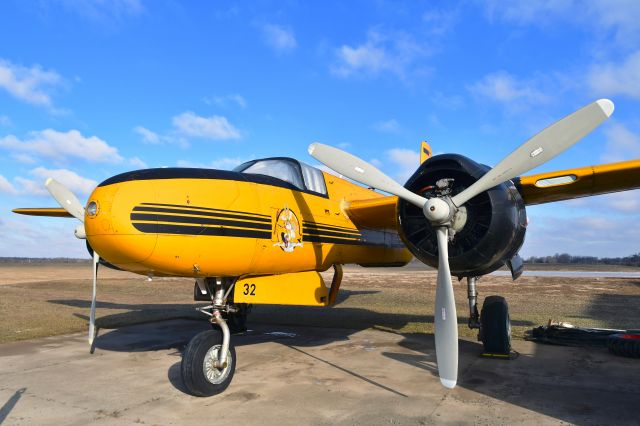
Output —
<point x="541" y="148"/>
<point x="445" y="318"/>
<point x="65" y="198"/>
<point x="361" y="171"/>
<point x="92" y="313"/>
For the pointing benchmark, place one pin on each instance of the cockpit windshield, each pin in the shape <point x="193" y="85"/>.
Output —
<point x="298" y="174"/>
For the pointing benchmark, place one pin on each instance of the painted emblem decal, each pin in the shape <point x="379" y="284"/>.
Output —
<point x="287" y="230"/>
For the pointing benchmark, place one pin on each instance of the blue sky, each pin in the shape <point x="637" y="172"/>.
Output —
<point x="91" y="88"/>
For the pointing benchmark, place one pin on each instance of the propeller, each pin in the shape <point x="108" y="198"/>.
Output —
<point x="542" y="147"/>
<point x="65" y="198"/>
<point x="445" y="317"/>
<point x="70" y="203"/>
<point x="92" y="313"/>
<point x="439" y="211"/>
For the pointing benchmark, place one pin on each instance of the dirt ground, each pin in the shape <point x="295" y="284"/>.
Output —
<point x="44" y="300"/>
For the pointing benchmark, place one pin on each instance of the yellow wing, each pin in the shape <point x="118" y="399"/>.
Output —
<point x="582" y="182"/>
<point x="43" y="211"/>
<point x="373" y="213"/>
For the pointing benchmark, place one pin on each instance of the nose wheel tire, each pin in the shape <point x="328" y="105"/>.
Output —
<point x="495" y="331"/>
<point x="199" y="374"/>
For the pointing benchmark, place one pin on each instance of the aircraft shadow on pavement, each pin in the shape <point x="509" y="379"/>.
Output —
<point x="575" y="385"/>
<point x="340" y="320"/>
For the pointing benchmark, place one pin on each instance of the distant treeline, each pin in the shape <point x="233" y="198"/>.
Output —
<point x="41" y="260"/>
<point x="565" y="258"/>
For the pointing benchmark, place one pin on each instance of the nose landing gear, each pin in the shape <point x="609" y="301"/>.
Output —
<point x="209" y="360"/>
<point x="202" y="372"/>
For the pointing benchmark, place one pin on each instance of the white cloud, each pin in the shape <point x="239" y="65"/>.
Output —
<point x="616" y="18"/>
<point x="32" y="85"/>
<point x="6" y="186"/>
<point x="40" y="237"/>
<point x="214" y="127"/>
<point x="622" y="144"/>
<point x="147" y="135"/>
<point x="524" y="12"/>
<point x="225" y="163"/>
<point x="388" y="126"/>
<point x="623" y="202"/>
<point x="504" y="88"/>
<point x="76" y="183"/>
<point x="440" y="22"/>
<point x="108" y="13"/>
<point x="281" y="39"/>
<point x="406" y="162"/>
<point x="137" y="163"/>
<point x="382" y="52"/>
<point x="599" y="235"/>
<point x="152" y="138"/>
<point x="223" y="101"/>
<point x="610" y="79"/>
<point x="61" y="146"/>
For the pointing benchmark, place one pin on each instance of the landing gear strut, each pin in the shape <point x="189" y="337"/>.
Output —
<point x="208" y="363"/>
<point x="472" y="294"/>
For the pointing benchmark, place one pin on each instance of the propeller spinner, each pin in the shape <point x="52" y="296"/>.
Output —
<point x="439" y="211"/>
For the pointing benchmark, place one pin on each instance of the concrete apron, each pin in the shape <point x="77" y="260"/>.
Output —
<point x="294" y="375"/>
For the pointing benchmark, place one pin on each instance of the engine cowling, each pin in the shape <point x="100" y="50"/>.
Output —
<point x="495" y="223"/>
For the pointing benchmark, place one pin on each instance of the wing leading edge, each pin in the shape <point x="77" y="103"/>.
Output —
<point x="43" y="211"/>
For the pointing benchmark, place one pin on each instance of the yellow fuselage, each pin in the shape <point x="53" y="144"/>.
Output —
<point x="213" y="223"/>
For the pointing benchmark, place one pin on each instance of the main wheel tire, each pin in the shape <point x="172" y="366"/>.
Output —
<point x="495" y="325"/>
<point x="199" y="375"/>
<point x="624" y="345"/>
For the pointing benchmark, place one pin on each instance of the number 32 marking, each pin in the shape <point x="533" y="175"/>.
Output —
<point x="249" y="290"/>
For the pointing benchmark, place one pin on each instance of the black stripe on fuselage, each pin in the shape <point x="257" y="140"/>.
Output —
<point x="198" y="220"/>
<point x="331" y="228"/>
<point x="321" y="233"/>
<point x="163" y="228"/>
<point x="146" y="209"/>
<point x="208" y="209"/>
<point x="335" y="240"/>
<point x="160" y="228"/>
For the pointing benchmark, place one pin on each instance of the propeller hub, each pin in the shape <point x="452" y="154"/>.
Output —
<point x="437" y="211"/>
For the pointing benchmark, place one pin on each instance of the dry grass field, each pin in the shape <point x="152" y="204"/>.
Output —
<point x="51" y="299"/>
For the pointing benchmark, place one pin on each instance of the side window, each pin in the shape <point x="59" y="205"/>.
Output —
<point x="314" y="179"/>
<point x="277" y="168"/>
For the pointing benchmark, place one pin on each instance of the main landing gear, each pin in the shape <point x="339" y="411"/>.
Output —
<point x="209" y="360"/>
<point x="492" y="322"/>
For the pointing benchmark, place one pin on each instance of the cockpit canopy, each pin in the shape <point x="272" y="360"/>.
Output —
<point x="297" y="173"/>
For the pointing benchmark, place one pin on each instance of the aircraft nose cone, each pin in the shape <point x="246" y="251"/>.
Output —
<point x="109" y="230"/>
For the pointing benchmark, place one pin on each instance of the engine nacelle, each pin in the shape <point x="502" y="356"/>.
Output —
<point x="495" y="219"/>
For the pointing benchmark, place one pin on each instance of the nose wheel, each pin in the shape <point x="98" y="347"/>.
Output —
<point x="209" y="360"/>
<point x="202" y="374"/>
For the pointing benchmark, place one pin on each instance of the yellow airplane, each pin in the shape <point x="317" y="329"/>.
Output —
<point x="262" y="233"/>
